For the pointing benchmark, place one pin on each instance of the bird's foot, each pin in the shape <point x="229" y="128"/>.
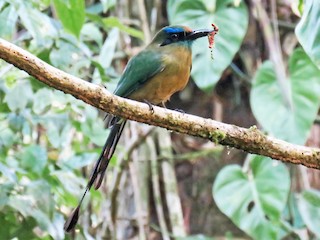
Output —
<point x="179" y="110"/>
<point x="149" y="105"/>
<point x="163" y="105"/>
<point x="101" y="85"/>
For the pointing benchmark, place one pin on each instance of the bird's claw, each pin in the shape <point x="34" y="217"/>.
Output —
<point x="179" y="110"/>
<point x="101" y="85"/>
<point x="149" y="105"/>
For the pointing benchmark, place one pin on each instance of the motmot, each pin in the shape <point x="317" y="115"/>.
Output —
<point x="152" y="76"/>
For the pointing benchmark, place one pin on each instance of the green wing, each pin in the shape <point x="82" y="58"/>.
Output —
<point x="138" y="71"/>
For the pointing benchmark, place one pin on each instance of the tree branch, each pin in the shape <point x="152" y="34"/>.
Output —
<point x="250" y="140"/>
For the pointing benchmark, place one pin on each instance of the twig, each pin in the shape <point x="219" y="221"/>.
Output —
<point x="144" y="21"/>
<point x="304" y="177"/>
<point x="123" y="162"/>
<point x="251" y="140"/>
<point x="236" y="70"/>
<point x="156" y="189"/>
<point x="170" y="185"/>
<point x="137" y="198"/>
<point x="273" y="42"/>
<point x="193" y="155"/>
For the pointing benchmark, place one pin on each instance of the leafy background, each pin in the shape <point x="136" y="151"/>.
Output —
<point x="161" y="184"/>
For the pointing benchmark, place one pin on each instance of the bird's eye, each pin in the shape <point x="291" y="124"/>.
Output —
<point x="174" y="36"/>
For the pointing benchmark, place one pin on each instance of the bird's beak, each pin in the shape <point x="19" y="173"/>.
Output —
<point x="198" y="34"/>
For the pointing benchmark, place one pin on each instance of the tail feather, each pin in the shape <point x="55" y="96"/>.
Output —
<point x="100" y="167"/>
<point x="108" y="151"/>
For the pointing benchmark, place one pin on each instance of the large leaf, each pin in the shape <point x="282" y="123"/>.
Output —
<point x="269" y="108"/>
<point x="309" y="208"/>
<point x="72" y="14"/>
<point x="254" y="199"/>
<point x="308" y="30"/>
<point x="232" y="21"/>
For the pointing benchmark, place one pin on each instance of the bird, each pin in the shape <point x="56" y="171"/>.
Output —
<point x="152" y="76"/>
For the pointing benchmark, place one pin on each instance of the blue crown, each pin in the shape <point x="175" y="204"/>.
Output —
<point x="173" y="30"/>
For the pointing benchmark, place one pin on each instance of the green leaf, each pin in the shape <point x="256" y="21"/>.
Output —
<point x="72" y="184"/>
<point x="109" y="48"/>
<point x="34" y="158"/>
<point x="309" y="207"/>
<point x="8" y="173"/>
<point x="41" y="190"/>
<point x="22" y="203"/>
<point x="63" y="55"/>
<point x="308" y="30"/>
<point x="27" y="205"/>
<point x="94" y="129"/>
<point x="41" y="4"/>
<point x="7" y="136"/>
<point x="267" y="103"/>
<point x="12" y="228"/>
<point x="16" y="121"/>
<point x="90" y="31"/>
<point x="58" y="131"/>
<point x="6" y="187"/>
<point x="77" y="162"/>
<point x="56" y="226"/>
<point x="70" y="55"/>
<point x="232" y="21"/>
<point x="105" y="57"/>
<point x="18" y="97"/>
<point x="8" y="20"/>
<point x="111" y="22"/>
<point x="72" y="14"/>
<point x="292" y="213"/>
<point x="254" y="199"/>
<point x="42" y="100"/>
<point x="37" y="23"/>
<point x="102" y="73"/>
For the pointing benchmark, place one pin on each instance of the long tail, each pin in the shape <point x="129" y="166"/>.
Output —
<point x="100" y="168"/>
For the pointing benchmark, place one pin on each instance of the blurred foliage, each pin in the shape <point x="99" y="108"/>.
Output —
<point x="47" y="138"/>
